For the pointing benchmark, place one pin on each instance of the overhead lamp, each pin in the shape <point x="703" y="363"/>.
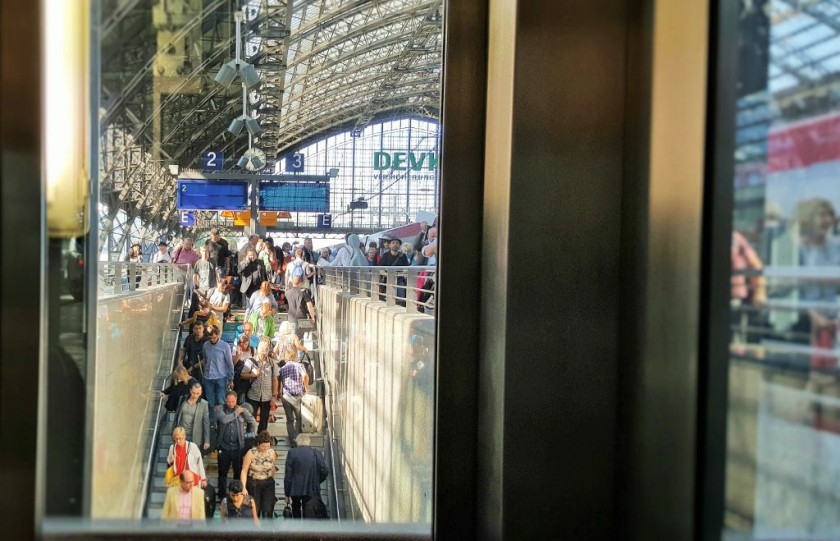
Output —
<point x="65" y="42"/>
<point x="252" y="125"/>
<point x="249" y="75"/>
<point x="227" y="73"/>
<point x="236" y="125"/>
<point x="333" y="172"/>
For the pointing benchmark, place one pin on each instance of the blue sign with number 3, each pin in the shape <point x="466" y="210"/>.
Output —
<point x="294" y="163"/>
<point x="214" y="161"/>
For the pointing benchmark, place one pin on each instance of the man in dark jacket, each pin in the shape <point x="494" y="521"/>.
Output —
<point x="253" y="274"/>
<point x="394" y="257"/>
<point x="306" y="469"/>
<point x="232" y="420"/>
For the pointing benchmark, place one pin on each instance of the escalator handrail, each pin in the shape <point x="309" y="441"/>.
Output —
<point x="150" y="465"/>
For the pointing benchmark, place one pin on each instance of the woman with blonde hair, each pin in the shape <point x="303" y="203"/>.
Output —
<point x="288" y="344"/>
<point x="185" y="455"/>
<point x="178" y="388"/>
<point x="264" y="386"/>
<point x="408" y="249"/>
<point x="257" y="298"/>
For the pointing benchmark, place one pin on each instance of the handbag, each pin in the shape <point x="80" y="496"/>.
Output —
<point x="315" y="508"/>
<point x="169" y="478"/>
<point x="287" y="511"/>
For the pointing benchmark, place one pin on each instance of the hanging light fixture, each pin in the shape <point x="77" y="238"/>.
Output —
<point x="249" y="75"/>
<point x="252" y="125"/>
<point x="236" y="125"/>
<point x="228" y="72"/>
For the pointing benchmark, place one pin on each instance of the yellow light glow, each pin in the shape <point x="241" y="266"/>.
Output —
<point x="66" y="40"/>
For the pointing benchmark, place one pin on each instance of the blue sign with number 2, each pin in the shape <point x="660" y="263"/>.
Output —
<point x="214" y="161"/>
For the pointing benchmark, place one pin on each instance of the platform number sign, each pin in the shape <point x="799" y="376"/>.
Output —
<point x="214" y="161"/>
<point x="324" y="221"/>
<point x="294" y="163"/>
<point x="186" y="218"/>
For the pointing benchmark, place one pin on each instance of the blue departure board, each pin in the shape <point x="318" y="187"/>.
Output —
<point x="294" y="196"/>
<point x="212" y="195"/>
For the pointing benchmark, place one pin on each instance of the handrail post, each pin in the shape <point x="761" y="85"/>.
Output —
<point x="132" y="275"/>
<point x="390" y="287"/>
<point x="374" y="284"/>
<point x="411" y="304"/>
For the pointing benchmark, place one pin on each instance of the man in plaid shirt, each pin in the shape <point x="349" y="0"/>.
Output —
<point x="294" y="379"/>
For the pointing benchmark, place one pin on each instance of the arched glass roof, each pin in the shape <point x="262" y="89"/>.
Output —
<point x="325" y="66"/>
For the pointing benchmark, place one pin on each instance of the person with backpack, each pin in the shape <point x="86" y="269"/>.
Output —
<point x="298" y="267"/>
<point x="293" y="380"/>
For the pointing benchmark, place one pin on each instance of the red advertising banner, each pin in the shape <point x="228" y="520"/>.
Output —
<point x="804" y="144"/>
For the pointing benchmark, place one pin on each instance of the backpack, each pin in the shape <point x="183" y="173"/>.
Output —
<point x="297" y="270"/>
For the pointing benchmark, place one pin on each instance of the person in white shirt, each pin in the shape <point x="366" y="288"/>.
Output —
<point x="349" y="255"/>
<point x="430" y="249"/>
<point x="162" y="255"/>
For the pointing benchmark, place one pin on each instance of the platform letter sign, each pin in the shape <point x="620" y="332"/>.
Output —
<point x="214" y="161"/>
<point x="186" y="218"/>
<point x="294" y="163"/>
<point x="324" y="221"/>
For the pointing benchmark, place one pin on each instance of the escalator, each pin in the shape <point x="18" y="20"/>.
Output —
<point x="156" y="491"/>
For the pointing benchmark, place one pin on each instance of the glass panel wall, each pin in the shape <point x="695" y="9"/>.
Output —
<point x="391" y="166"/>
<point x="211" y="98"/>
<point x="783" y="455"/>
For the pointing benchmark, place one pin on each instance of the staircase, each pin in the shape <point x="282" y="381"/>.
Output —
<point x="277" y="429"/>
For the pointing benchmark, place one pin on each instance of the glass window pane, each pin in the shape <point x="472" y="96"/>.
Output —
<point x="199" y="104"/>
<point x="783" y="456"/>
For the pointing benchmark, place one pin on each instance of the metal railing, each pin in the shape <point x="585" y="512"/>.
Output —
<point x="159" y="418"/>
<point x="771" y="321"/>
<point x="118" y="277"/>
<point x="412" y="287"/>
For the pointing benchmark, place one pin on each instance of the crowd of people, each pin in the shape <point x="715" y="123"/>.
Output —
<point x="221" y="399"/>
<point x="222" y="396"/>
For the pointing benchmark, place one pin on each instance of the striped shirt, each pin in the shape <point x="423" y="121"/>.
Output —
<point x="261" y="390"/>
